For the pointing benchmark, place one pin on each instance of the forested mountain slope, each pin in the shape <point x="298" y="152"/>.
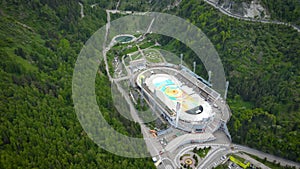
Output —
<point x="39" y="44"/>
<point x="262" y="64"/>
<point x="287" y="11"/>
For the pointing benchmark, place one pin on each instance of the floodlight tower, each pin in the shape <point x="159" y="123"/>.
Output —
<point x="132" y="83"/>
<point x="181" y="58"/>
<point x="194" y="63"/>
<point x="209" y="76"/>
<point x="142" y="91"/>
<point x="177" y="113"/>
<point x="226" y="90"/>
<point x="155" y="97"/>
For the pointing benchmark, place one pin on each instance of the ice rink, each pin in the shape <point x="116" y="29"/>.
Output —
<point x="170" y="91"/>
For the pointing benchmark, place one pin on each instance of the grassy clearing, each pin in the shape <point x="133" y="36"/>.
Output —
<point x="201" y="152"/>
<point x="153" y="56"/>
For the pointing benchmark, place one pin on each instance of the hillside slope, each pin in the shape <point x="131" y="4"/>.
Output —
<point x="262" y="64"/>
<point x="39" y="43"/>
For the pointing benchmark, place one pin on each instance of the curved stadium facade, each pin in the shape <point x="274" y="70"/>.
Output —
<point x="185" y="101"/>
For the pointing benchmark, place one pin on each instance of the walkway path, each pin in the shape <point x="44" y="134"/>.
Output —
<point x="153" y="145"/>
<point x="81" y="10"/>
<point x="104" y="49"/>
<point x="118" y="4"/>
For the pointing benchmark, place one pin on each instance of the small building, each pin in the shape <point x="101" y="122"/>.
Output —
<point x="137" y="65"/>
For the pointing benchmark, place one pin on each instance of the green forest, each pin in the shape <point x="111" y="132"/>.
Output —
<point x="288" y="10"/>
<point x="262" y="64"/>
<point x="39" y="44"/>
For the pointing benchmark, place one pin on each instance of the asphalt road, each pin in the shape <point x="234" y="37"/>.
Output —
<point x="214" y="158"/>
<point x="262" y="155"/>
<point x="249" y="19"/>
<point x="253" y="161"/>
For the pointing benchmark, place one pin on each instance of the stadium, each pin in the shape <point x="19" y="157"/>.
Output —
<point x="181" y="97"/>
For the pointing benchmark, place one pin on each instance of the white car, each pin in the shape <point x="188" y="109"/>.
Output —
<point x="158" y="163"/>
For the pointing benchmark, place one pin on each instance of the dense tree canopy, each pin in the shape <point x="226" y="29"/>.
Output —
<point x="262" y="63"/>
<point x="39" y="43"/>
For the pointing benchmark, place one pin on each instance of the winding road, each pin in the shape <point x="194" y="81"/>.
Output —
<point x="224" y="11"/>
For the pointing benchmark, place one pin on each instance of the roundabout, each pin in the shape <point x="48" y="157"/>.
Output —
<point x="188" y="161"/>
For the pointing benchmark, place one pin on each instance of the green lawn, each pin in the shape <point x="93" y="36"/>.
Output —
<point x="153" y="56"/>
<point x="136" y="56"/>
<point x="201" y="152"/>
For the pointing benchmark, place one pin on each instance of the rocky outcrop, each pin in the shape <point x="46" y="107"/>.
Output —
<point x="243" y="8"/>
